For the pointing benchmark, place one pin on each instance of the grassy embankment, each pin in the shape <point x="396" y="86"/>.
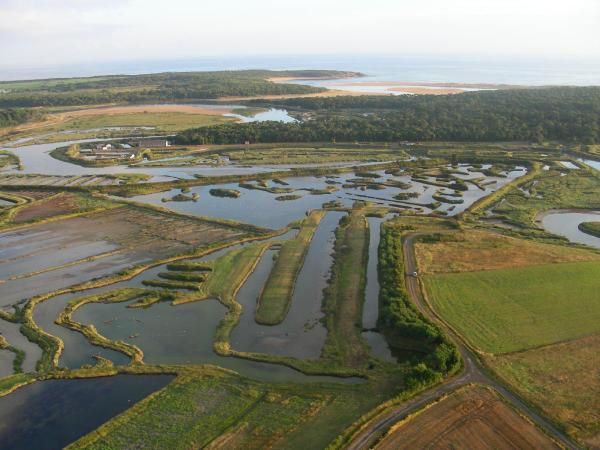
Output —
<point x="52" y="346"/>
<point x="8" y="159"/>
<point x="238" y="416"/>
<point x="403" y="325"/>
<point x="19" y="354"/>
<point x="59" y="206"/>
<point x="591" y="228"/>
<point x="277" y="294"/>
<point x="344" y="295"/>
<point x="90" y="331"/>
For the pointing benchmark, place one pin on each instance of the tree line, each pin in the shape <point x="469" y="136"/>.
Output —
<point x="153" y="87"/>
<point x="537" y="114"/>
<point x="398" y="317"/>
<point x="12" y="117"/>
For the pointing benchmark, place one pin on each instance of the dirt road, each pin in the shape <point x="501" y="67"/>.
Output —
<point x="473" y="372"/>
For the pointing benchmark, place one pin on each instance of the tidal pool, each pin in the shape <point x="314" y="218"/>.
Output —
<point x="48" y="415"/>
<point x="565" y="223"/>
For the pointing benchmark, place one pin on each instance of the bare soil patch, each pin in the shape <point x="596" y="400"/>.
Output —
<point x="51" y="207"/>
<point x="473" y="417"/>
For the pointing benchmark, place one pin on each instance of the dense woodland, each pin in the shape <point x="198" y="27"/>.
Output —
<point x="398" y="317"/>
<point x="12" y="117"/>
<point x="562" y="113"/>
<point x="153" y="87"/>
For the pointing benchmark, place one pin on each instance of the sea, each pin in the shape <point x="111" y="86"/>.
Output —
<point x="376" y="68"/>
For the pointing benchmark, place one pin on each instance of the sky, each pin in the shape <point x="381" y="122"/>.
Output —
<point x="55" y="32"/>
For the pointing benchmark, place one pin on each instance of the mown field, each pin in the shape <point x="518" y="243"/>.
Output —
<point x="515" y="309"/>
<point x="472" y="417"/>
<point x="563" y="380"/>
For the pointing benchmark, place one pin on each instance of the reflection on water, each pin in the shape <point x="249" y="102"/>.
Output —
<point x="565" y="223"/>
<point x="377" y="342"/>
<point x="261" y="208"/>
<point x="273" y="114"/>
<point x="301" y="334"/>
<point x="166" y="334"/>
<point x="51" y="414"/>
<point x="11" y="332"/>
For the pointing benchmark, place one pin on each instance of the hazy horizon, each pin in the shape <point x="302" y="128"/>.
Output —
<point x="374" y="67"/>
<point x="61" y="33"/>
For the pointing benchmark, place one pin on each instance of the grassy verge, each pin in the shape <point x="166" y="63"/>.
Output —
<point x="90" y="332"/>
<point x="344" y="295"/>
<point x="591" y="228"/>
<point x="8" y="159"/>
<point x="12" y="383"/>
<point x="277" y="294"/>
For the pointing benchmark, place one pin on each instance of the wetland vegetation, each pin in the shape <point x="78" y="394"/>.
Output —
<point x="261" y="294"/>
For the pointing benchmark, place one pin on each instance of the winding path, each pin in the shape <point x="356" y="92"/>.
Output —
<point x="473" y="372"/>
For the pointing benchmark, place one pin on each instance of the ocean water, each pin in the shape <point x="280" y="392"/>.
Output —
<point x="376" y="68"/>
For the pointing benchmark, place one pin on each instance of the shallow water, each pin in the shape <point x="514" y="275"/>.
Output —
<point x="592" y="163"/>
<point x="6" y="363"/>
<point x="166" y="334"/>
<point x="377" y="342"/>
<point x="273" y="114"/>
<point x="301" y="334"/>
<point x="36" y="159"/>
<point x="260" y="208"/>
<point x="565" y="223"/>
<point x="77" y="351"/>
<point x="33" y="353"/>
<point x="51" y="414"/>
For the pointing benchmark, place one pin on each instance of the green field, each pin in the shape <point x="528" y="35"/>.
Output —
<point x="508" y="310"/>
